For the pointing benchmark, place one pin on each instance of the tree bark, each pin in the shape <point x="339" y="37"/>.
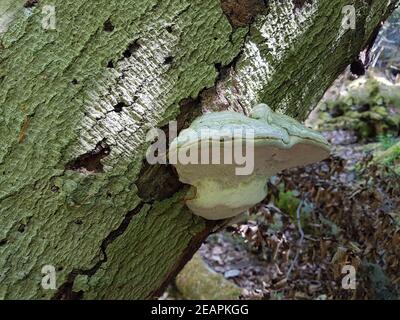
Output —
<point x="76" y="103"/>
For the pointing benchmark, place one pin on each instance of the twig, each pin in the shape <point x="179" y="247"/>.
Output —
<point x="294" y="261"/>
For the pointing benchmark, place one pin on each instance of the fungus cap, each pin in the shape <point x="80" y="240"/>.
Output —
<point x="206" y="157"/>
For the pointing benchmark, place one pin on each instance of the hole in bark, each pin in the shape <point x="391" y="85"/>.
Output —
<point x="357" y="67"/>
<point x="90" y="162"/>
<point x="3" y="242"/>
<point x="108" y="26"/>
<point x="65" y="292"/>
<point x="169" y="29"/>
<point x="298" y="4"/>
<point x="119" y="106"/>
<point x="242" y="12"/>
<point x="135" y="98"/>
<point x="110" y="64"/>
<point x="223" y="71"/>
<point x="31" y="3"/>
<point x="190" y="109"/>
<point x="74" y="81"/>
<point x="21" y="228"/>
<point x="55" y="189"/>
<point x="131" y="49"/>
<point x="169" y="60"/>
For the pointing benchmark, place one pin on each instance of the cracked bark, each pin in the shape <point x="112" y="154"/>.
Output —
<point x="74" y="175"/>
<point x="65" y="292"/>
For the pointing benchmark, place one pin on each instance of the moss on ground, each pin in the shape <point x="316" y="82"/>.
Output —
<point x="370" y="107"/>
<point x="390" y="157"/>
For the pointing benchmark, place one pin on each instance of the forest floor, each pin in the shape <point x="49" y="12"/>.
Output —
<point x="315" y="221"/>
<point x="295" y="246"/>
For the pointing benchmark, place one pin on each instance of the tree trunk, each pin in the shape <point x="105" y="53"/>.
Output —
<point x="78" y="97"/>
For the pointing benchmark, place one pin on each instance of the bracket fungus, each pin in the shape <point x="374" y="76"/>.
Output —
<point x="228" y="157"/>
